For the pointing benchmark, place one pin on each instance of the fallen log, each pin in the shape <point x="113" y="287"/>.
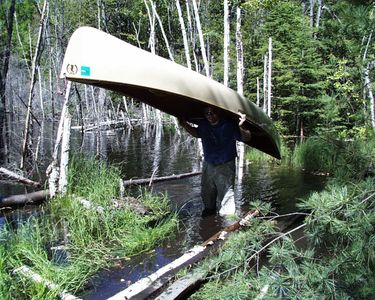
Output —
<point x="18" y="178"/>
<point x="146" y="286"/>
<point x="157" y="179"/>
<point x="28" y="273"/>
<point x="23" y="199"/>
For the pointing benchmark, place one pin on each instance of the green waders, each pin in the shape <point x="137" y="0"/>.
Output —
<point x="216" y="181"/>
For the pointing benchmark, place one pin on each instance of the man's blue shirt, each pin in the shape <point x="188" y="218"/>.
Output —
<point x="219" y="141"/>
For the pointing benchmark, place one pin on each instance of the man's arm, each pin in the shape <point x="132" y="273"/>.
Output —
<point x="190" y="129"/>
<point x="245" y="133"/>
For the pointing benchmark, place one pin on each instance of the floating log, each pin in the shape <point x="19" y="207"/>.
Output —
<point x="28" y="273"/>
<point x="144" y="287"/>
<point x="23" y="199"/>
<point x="18" y="178"/>
<point x="157" y="179"/>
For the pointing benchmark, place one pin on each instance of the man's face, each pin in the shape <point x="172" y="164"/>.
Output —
<point x="212" y="116"/>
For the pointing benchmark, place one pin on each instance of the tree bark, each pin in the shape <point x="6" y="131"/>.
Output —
<point x="53" y="171"/>
<point x="28" y="124"/>
<point x="239" y="48"/>
<point x="65" y="149"/>
<point x="371" y="94"/>
<point x="269" y="85"/>
<point x="226" y="42"/>
<point x="4" y="67"/>
<point x="184" y="36"/>
<point x="202" y="44"/>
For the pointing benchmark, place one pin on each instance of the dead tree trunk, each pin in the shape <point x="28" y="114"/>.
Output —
<point x="200" y="33"/>
<point x="4" y="66"/>
<point x="184" y="36"/>
<point x="28" y="124"/>
<point x="53" y="170"/>
<point x="269" y="85"/>
<point x="226" y="42"/>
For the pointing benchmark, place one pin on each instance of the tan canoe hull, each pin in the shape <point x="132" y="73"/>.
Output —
<point x="97" y="58"/>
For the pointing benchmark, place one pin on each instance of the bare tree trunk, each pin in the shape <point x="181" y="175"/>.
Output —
<point x="162" y="31"/>
<point x="65" y="148"/>
<point x="239" y="48"/>
<point x="226" y="42"/>
<point x="265" y="83"/>
<point x="318" y="14"/>
<point x="190" y="26"/>
<point x="311" y="14"/>
<point x="258" y="92"/>
<point x="184" y="36"/>
<point x="200" y="33"/>
<point x="53" y="170"/>
<point x="26" y="139"/>
<point x="269" y="85"/>
<point x="4" y="66"/>
<point x="371" y="95"/>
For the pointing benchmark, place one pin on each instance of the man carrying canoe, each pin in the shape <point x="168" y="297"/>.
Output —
<point x="219" y="136"/>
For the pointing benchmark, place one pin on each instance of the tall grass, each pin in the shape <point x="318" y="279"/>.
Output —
<point x="344" y="159"/>
<point x="91" y="240"/>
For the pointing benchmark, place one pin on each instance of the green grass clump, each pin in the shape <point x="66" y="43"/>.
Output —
<point x="344" y="159"/>
<point x="91" y="240"/>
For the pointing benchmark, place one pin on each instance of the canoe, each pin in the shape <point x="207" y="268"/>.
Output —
<point x="97" y="58"/>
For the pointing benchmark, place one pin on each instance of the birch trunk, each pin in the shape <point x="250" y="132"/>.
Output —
<point x="269" y="85"/>
<point x="226" y="42"/>
<point x="65" y="148"/>
<point x="35" y="62"/>
<point x="371" y="95"/>
<point x="162" y="30"/>
<point x="202" y="44"/>
<point x="239" y="48"/>
<point x="318" y="14"/>
<point x="258" y="92"/>
<point x="184" y="36"/>
<point x="4" y="67"/>
<point x="265" y="83"/>
<point x="190" y="26"/>
<point x="311" y="14"/>
<point x="53" y="170"/>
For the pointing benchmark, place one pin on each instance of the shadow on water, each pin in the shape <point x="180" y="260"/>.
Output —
<point x="144" y="152"/>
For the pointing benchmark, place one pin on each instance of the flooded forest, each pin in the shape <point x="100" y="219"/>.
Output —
<point x="100" y="193"/>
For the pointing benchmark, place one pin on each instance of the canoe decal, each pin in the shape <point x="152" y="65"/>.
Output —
<point x="71" y="69"/>
<point x="85" y="71"/>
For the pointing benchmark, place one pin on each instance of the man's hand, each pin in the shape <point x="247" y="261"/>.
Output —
<point x="242" y="119"/>
<point x="245" y="133"/>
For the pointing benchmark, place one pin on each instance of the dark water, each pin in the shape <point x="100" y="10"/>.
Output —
<point x="143" y="152"/>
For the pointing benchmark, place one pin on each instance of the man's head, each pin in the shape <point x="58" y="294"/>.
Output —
<point x="212" y="115"/>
